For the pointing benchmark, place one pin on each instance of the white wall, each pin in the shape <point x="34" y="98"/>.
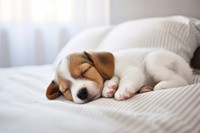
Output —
<point x="122" y="10"/>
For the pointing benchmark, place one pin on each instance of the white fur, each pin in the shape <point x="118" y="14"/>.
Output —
<point x="134" y="68"/>
<point x="138" y="67"/>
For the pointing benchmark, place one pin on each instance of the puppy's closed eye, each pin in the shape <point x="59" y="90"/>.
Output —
<point x="85" y="70"/>
<point x="89" y="72"/>
<point x="85" y="67"/>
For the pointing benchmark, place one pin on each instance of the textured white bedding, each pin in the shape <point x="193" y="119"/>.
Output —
<point x="25" y="109"/>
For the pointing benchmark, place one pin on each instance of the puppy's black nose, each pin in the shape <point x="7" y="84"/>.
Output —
<point x="82" y="94"/>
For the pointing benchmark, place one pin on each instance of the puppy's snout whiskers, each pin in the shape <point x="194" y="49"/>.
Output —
<point x="83" y="94"/>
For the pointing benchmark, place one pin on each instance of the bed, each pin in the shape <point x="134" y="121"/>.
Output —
<point x="24" y="107"/>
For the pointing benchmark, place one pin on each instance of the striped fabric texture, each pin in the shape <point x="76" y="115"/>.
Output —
<point x="25" y="109"/>
<point x="178" y="34"/>
<point x="196" y="78"/>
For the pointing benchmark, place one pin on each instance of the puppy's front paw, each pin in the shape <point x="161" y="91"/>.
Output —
<point x="109" y="89"/>
<point x="123" y="94"/>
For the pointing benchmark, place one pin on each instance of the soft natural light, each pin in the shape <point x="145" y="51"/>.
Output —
<point x="51" y="10"/>
<point x="38" y="29"/>
<point x="36" y="11"/>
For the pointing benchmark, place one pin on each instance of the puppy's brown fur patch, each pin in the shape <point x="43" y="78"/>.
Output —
<point x="104" y="63"/>
<point x="81" y="67"/>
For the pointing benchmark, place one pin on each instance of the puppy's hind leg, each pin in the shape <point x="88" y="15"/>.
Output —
<point x="167" y="78"/>
<point x="167" y="69"/>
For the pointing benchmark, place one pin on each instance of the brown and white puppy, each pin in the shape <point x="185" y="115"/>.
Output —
<point x="82" y="77"/>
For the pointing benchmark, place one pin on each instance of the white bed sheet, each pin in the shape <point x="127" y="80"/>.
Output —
<point x="25" y="109"/>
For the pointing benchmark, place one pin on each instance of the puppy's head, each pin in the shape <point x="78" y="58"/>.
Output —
<point x="80" y="76"/>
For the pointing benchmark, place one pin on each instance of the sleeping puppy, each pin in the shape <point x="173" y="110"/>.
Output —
<point x="86" y="76"/>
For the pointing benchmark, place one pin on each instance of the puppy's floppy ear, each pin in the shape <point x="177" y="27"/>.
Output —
<point x="103" y="61"/>
<point x="52" y="91"/>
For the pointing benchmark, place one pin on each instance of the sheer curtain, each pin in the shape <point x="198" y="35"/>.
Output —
<point x="33" y="31"/>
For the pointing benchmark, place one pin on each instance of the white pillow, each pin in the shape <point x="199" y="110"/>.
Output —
<point x="178" y="34"/>
<point x="86" y="40"/>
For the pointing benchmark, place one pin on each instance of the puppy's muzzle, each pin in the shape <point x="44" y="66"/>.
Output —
<point x="82" y="94"/>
